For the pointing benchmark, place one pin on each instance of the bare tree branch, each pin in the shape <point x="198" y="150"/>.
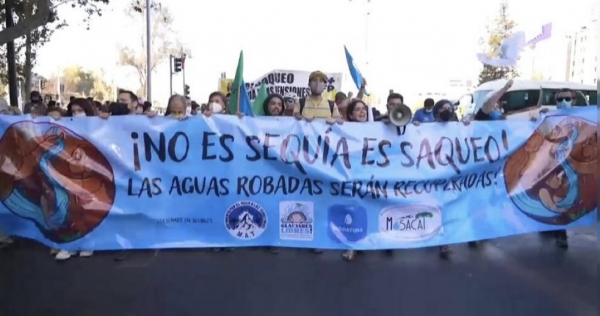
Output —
<point x="163" y="40"/>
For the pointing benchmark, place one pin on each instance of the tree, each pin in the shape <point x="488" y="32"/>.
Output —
<point x="31" y="37"/>
<point x="501" y="29"/>
<point x="164" y="40"/>
<point x="79" y="82"/>
<point x="42" y="15"/>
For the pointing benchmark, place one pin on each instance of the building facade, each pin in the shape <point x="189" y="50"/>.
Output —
<point x="582" y="61"/>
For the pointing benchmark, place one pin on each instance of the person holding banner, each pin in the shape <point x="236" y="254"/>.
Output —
<point x="343" y="104"/>
<point x="176" y="108"/>
<point x="425" y="114"/>
<point x="490" y="110"/>
<point x="290" y="100"/>
<point x="357" y="111"/>
<point x="441" y="112"/>
<point x="315" y="105"/>
<point x="565" y="99"/>
<point x="217" y="104"/>
<point x="79" y="107"/>
<point x="54" y="112"/>
<point x="5" y="109"/>
<point x="274" y="105"/>
<point x="129" y="99"/>
<point x="393" y="100"/>
<point x="341" y="100"/>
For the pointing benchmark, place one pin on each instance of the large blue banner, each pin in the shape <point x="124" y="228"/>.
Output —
<point x="138" y="182"/>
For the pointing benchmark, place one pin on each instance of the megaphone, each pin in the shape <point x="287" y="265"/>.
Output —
<point x="400" y="115"/>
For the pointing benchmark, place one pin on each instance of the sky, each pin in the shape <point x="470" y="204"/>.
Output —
<point x="407" y="46"/>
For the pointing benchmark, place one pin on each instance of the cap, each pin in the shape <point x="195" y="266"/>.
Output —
<point x="317" y="74"/>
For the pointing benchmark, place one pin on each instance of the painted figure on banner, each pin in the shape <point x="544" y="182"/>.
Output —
<point x="54" y="178"/>
<point x="553" y="177"/>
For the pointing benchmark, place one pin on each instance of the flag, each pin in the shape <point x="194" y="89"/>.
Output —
<point x="239" y="102"/>
<point x="257" y="106"/>
<point x="544" y="35"/>
<point x="354" y="72"/>
<point x="508" y="54"/>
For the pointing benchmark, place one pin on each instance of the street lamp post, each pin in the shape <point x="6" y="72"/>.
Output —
<point x="148" y="53"/>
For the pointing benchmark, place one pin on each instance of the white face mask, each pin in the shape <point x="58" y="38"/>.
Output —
<point x="79" y="114"/>
<point x="215" y="107"/>
<point x="429" y="110"/>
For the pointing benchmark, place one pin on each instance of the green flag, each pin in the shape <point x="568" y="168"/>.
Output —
<point x="235" y="86"/>
<point x="257" y="106"/>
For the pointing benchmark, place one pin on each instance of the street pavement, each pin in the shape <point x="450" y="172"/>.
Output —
<point x="517" y="276"/>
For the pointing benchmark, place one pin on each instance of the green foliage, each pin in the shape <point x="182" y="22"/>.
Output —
<point x="24" y="9"/>
<point x="500" y="29"/>
<point x="79" y="82"/>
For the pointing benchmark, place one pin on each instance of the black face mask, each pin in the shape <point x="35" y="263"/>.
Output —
<point x="445" y="115"/>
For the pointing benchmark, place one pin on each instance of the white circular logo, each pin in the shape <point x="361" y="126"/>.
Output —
<point x="348" y="219"/>
<point x="245" y="220"/>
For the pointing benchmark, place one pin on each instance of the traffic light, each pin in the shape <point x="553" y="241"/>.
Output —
<point x="178" y="64"/>
<point x="42" y="84"/>
<point x="186" y="90"/>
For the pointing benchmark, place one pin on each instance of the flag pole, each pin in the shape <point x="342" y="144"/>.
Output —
<point x="148" y="53"/>
<point x="367" y="33"/>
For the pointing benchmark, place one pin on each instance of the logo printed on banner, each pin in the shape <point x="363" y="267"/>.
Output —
<point x="59" y="181"/>
<point x="347" y="223"/>
<point x="564" y="189"/>
<point x="297" y="219"/>
<point x="410" y="222"/>
<point x="245" y="220"/>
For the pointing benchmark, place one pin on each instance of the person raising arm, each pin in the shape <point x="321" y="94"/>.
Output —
<point x="490" y="109"/>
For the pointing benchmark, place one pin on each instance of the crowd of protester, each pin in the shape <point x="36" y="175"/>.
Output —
<point x="313" y="106"/>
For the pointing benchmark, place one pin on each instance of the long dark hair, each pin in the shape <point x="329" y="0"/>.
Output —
<point x="268" y="100"/>
<point x="223" y="98"/>
<point x="85" y="104"/>
<point x="438" y="106"/>
<point x="351" y="106"/>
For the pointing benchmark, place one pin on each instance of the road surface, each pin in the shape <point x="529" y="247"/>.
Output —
<point x="517" y="276"/>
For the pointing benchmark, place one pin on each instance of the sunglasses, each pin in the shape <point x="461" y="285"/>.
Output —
<point x="563" y="99"/>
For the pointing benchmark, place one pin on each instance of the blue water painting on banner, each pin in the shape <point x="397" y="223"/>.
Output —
<point x="138" y="182"/>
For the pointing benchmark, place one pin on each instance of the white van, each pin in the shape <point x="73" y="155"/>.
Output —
<point x="526" y="96"/>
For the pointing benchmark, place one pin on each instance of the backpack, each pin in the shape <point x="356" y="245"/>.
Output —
<point x="303" y="102"/>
